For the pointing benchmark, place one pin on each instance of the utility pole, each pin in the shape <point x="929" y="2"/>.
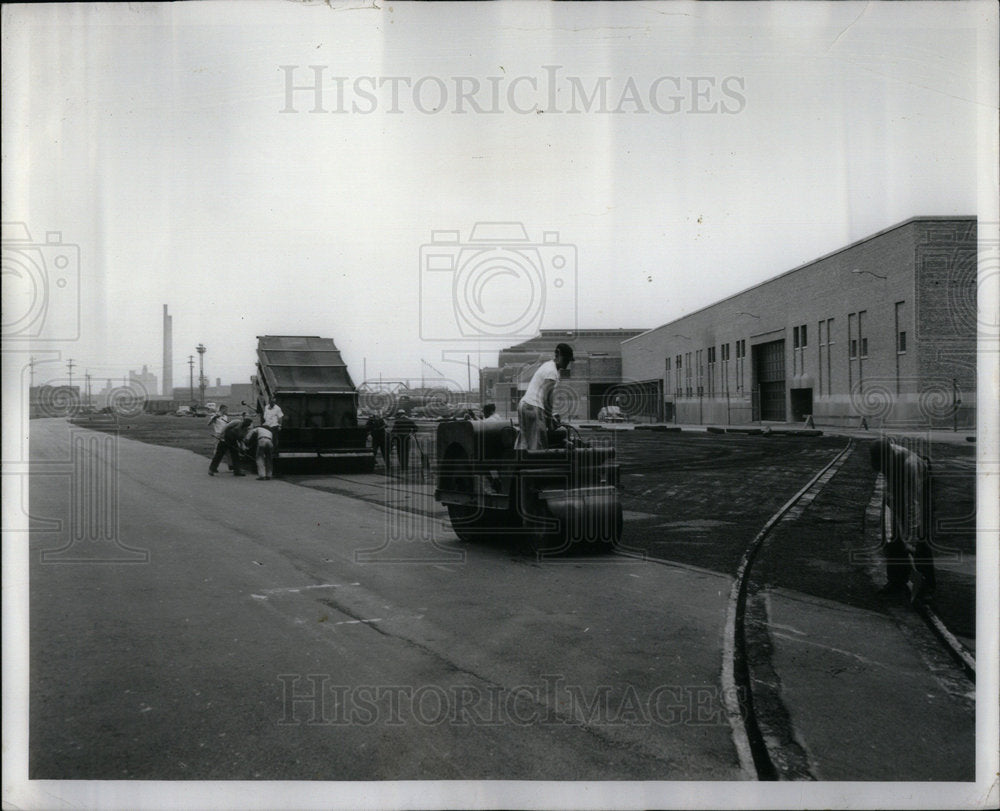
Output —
<point x="191" y="376"/>
<point x="468" y="373"/>
<point x="88" y="386"/>
<point x="70" y="364"/>
<point x="201" y="370"/>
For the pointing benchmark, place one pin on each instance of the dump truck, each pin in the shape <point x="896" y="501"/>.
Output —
<point x="551" y="501"/>
<point x="309" y="381"/>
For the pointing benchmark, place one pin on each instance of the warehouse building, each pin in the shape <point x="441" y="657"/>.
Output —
<point x="592" y="382"/>
<point x="883" y="331"/>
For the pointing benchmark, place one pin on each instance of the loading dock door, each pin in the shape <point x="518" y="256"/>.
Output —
<point x="802" y="404"/>
<point x="769" y="377"/>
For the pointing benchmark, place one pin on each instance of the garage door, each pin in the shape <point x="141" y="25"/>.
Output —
<point x="769" y="379"/>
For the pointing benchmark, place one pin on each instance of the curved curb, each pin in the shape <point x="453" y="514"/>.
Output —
<point x="960" y="653"/>
<point x="755" y="761"/>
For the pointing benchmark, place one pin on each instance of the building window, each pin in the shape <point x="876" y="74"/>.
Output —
<point x="829" y="354"/>
<point x="795" y="337"/>
<point x="725" y="368"/>
<point x="687" y="374"/>
<point x="741" y="351"/>
<point x="803" y="337"/>
<point x="711" y="371"/>
<point x="901" y="322"/>
<point x="857" y="345"/>
<point x="820" y="348"/>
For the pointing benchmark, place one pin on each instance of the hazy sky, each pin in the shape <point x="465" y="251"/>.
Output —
<point x="732" y="142"/>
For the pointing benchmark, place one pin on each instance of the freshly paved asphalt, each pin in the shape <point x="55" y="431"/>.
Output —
<point x="188" y="665"/>
<point x="200" y="662"/>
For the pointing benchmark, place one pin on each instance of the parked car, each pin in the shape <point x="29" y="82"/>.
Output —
<point x="611" y="413"/>
<point x="184" y="411"/>
<point x="212" y="407"/>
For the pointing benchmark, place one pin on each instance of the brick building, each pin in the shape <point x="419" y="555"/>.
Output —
<point x="593" y="381"/>
<point x="884" y="329"/>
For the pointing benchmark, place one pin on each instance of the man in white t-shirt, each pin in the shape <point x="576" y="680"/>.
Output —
<point x="534" y="412"/>
<point x="271" y="419"/>
<point x="218" y="423"/>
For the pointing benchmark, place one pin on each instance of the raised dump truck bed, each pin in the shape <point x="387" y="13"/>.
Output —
<point x="310" y="382"/>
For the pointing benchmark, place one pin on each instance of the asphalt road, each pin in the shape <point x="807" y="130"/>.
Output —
<point x="184" y="626"/>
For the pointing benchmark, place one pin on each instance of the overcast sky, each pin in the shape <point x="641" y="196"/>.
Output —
<point x="674" y="153"/>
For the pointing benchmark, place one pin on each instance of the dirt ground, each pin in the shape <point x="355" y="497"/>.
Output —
<point x="699" y="499"/>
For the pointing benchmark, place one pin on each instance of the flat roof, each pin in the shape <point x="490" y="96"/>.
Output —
<point x="876" y="235"/>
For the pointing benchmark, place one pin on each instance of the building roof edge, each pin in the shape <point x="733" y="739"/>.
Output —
<point x="804" y="265"/>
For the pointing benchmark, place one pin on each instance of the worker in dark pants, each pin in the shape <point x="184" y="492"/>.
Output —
<point x="375" y="426"/>
<point x="271" y="417"/>
<point x="908" y="540"/>
<point x="403" y="428"/>
<point x="231" y="438"/>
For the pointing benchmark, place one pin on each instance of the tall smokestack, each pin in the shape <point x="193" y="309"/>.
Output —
<point x="168" y="354"/>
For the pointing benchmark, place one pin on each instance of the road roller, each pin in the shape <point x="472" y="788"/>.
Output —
<point x="561" y="499"/>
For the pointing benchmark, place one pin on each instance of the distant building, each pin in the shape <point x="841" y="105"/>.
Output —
<point x="884" y="329"/>
<point x="593" y="381"/>
<point x="143" y="381"/>
<point x="231" y="395"/>
<point x="213" y="394"/>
